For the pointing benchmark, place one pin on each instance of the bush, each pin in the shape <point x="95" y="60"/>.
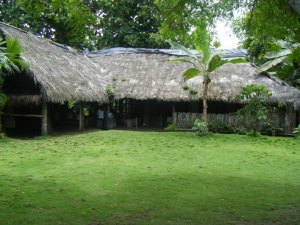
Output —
<point x="255" y="110"/>
<point x="171" y="128"/>
<point x="296" y="131"/>
<point x="200" y="127"/>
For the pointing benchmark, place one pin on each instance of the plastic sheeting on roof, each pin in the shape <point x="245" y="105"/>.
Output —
<point x="227" y="53"/>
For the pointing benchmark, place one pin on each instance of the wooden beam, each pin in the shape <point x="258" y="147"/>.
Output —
<point x="44" y="122"/>
<point x="81" y="119"/>
<point x="21" y="115"/>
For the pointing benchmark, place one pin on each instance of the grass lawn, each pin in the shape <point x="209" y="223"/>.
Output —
<point x="150" y="178"/>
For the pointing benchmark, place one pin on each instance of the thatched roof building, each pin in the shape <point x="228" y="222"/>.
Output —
<point x="148" y="74"/>
<point x="61" y="72"/>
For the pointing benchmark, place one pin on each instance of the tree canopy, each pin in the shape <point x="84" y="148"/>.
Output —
<point x="87" y="23"/>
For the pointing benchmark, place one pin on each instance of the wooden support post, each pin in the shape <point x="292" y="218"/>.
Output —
<point x="44" y="120"/>
<point x="173" y="114"/>
<point x="81" y="119"/>
<point x="136" y="123"/>
<point x="290" y="119"/>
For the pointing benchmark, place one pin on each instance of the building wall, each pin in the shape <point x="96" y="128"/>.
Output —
<point x="280" y="122"/>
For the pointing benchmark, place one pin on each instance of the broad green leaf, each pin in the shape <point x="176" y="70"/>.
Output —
<point x="272" y="73"/>
<point x="182" y="60"/>
<point x="214" y="63"/>
<point x="237" y="60"/>
<point x="273" y="55"/>
<point x="190" y="73"/>
<point x="175" y="45"/>
<point x="270" y="64"/>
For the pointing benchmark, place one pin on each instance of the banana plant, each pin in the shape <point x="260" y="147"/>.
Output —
<point x="203" y="66"/>
<point x="277" y="57"/>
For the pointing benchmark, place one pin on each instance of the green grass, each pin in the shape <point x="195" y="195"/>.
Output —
<point x="150" y="178"/>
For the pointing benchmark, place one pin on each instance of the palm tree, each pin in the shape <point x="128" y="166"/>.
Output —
<point x="11" y="62"/>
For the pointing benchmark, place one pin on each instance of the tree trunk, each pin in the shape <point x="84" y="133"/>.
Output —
<point x="205" y="89"/>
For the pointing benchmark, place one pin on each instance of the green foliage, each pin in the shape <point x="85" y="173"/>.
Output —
<point x="264" y="29"/>
<point x="129" y="24"/>
<point x="181" y="17"/>
<point x="3" y="99"/>
<point x="110" y="91"/>
<point x="10" y="57"/>
<point x="75" y="107"/>
<point x="190" y="73"/>
<point x="193" y="91"/>
<point x="11" y="62"/>
<point x="70" y="22"/>
<point x="200" y="127"/>
<point x="216" y="61"/>
<point x="171" y="128"/>
<point x="255" y="110"/>
<point x="87" y="23"/>
<point x="296" y="131"/>
<point x="284" y="62"/>
<point x="266" y="23"/>
<point x="202" y="66"/>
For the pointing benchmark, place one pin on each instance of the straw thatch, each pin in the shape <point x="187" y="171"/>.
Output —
<point x="146" y="76"/>
<point x="61" y="71"/>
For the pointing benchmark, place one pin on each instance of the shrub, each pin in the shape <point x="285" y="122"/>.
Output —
<point x="170" y="128"/>
<point x="200" y="127"/>
<point x="296" y="131"/>
<point x="255" y="110"/>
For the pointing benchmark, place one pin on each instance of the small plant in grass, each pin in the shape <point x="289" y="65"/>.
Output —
<point x="171" y="128"/>
<point x="255" y="110"/>
<point x="296" y="131"/>
<point x="200" y="127"/>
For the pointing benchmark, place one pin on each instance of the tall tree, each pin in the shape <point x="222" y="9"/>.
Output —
<point x="125" y="23"/>
<point x="260" y="28"/>
<point x="87" y="23"/>
<point x="69" y="22"/>
<point x="277" y="19"/>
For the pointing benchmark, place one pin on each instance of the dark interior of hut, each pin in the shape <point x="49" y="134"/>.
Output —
<point x="23" y="105"/>
<point x="130" y="113"/>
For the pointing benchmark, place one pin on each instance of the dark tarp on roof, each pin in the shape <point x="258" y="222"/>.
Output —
<point x="227" y="53"/>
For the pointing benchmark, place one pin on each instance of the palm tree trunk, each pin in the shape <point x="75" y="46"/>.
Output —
<point x="205" y="89"/>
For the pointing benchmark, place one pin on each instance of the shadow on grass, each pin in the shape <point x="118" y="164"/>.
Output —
<point x="175" y="199"/>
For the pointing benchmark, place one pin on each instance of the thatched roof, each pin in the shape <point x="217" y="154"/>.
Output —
<point x="62" y="72"/>
<point x="152" y="76"/>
